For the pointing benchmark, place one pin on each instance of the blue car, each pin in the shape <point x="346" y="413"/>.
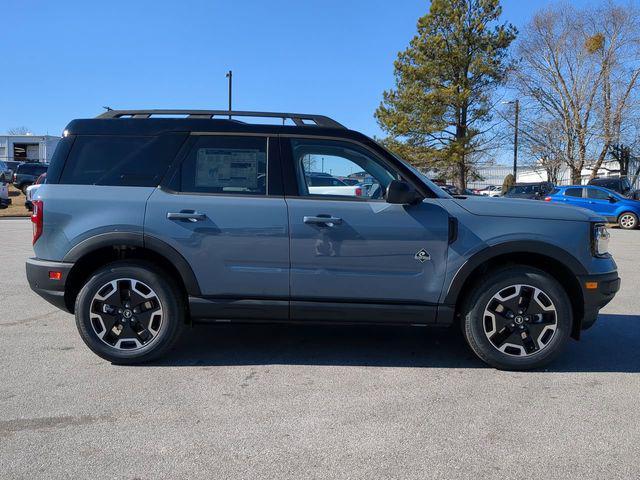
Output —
<point x="606" y="203"/>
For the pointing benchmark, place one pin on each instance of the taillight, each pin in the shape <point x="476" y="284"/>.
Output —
<point x="15" y="177"/>
<point x="36" y="219"/>
<point x="358" y="192"/>
<point x="547" y="199"/>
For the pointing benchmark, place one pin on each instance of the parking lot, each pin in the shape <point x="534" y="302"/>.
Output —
<point x="236" y="401"/>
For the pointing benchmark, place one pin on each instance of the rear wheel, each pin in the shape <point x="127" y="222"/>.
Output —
<point x="517" y="318"/>
<point x="628" y="220"/>
<point x="129" y="312"/>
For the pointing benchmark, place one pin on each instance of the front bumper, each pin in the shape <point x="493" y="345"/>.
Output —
<point x="40" y="281"/>
<point x="597" y="291"/>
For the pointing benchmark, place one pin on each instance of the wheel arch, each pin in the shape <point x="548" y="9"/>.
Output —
<point x="555" y="261"/>
<point x="101" y="249"/>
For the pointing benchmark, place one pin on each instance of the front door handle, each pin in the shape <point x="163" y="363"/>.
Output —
<point x="191" y="216"/>
<point x="322" y="220"/>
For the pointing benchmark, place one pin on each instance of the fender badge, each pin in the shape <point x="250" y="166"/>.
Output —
<point x="422" y="256"/>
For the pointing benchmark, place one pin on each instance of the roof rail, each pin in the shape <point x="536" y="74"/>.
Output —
<point x="299" y="119"/>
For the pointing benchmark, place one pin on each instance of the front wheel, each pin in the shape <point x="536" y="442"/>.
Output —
<point x="517" y="318"/>
<point x="130" y="312"/>
<point x="628" y="220"/>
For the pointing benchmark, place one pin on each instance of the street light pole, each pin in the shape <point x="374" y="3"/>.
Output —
<point x="515" y="141"/>
<point x="230" y="77"/>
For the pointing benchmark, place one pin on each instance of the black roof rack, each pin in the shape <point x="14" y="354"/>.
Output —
<point x="299" y="119"/>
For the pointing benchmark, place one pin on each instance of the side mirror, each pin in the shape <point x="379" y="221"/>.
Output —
<point x="401" y="193"/>
<point x="612" y="199"/>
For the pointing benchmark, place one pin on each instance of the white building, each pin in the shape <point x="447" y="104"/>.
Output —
<point x="20" y="148"/>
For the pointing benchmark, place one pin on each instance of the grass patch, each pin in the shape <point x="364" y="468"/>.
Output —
<point x="17" y="208"/>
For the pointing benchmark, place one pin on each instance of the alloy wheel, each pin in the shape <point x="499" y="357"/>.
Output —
<point x="520" y="320"/>
<point x="627" y="221"/>
<point x="126" y="314"/>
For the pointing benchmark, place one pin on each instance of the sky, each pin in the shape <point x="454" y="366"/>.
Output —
<point x="67" y="59"/>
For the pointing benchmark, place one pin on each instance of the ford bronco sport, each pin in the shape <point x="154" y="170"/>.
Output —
<point x="148" y="223"/>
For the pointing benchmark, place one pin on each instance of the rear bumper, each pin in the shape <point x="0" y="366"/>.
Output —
<point x="38" y="275"/>
<point x="608" y="285"/>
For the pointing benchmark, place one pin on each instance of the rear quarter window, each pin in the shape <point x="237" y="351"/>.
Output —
<point x="139" y="161"/>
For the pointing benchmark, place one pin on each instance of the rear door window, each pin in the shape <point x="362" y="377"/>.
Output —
<point x="573" y="192"/>
<point x="225" y="165"/>
<point x="120" y="160"/>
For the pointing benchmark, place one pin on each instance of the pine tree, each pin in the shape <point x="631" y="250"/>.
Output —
<point x="444" y="83"/>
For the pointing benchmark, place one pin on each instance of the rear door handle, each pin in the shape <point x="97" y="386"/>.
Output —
<point x="191" y="216"/>
<point x="322" y="220"/>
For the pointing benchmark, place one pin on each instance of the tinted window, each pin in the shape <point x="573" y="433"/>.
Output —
<point x="31" y="169"/>
<point x="59" y="157"/>
<point x="597" y="194"/>
<point x="526" y="189"/>
<point x="605" y="183"/>
<point x="119" y="160"/>
<point x="218" y="164"/>
<point x="573" y="192"/>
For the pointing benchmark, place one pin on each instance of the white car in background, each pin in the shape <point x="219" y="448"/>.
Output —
<point x="31" y="191"/>
<point x="491" y="191"/>
<point x="325" y="184"/>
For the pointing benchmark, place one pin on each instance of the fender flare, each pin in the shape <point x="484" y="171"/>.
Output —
<point x="563" y="257"/>
<point x="137" y="239"/>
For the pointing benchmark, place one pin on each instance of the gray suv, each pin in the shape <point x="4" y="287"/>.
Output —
<point x="147" y="224"/>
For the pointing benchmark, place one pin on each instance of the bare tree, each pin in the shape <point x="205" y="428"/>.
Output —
<point x="558" y="80"/>
<point x="19" y="131"/>
<point x="614" y="39"/>
<point x="579" y="72"/>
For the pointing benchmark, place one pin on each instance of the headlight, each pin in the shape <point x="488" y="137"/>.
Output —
<point x="600" y="240"/>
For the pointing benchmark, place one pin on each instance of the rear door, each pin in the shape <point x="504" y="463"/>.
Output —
<point x="348" y="249"/>
<point x="224" y="212"/>
<point x="574" y="196"/>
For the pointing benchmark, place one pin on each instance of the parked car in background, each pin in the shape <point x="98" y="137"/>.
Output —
<point x="146" y="225"/>
<point x="31" y="190"/>
<point x="27" y="173"/>
<point x="622" y="185"/>
<point x="491" y="191"/>
<point x="531" y="191"/>
<point x="6" y="174"/>
<point x="607" y="203"/>
<point x="5" y="201"/>
<point x="326" y="184"/>
<point x="350" y="181"/>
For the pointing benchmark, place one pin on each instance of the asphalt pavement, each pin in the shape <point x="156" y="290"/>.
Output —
<point x="286" y="402"/>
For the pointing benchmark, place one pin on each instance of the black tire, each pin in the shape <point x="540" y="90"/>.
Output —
<point x="474" y="320"/>
<point x="24" y="189"/>
<point x="628" y="220"/>
<point x="168" y="294"/>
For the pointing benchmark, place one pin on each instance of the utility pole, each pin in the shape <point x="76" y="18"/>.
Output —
<point x="230" y="77"/>
<point x="516" y="103"/>
<point x="515" y="141"/>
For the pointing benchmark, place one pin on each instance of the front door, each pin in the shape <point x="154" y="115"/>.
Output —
<point x="599" y="200"/>
<point x="349" y="245"/>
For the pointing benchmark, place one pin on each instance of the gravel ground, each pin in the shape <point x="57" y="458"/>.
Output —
<point x="238" y="401"/>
